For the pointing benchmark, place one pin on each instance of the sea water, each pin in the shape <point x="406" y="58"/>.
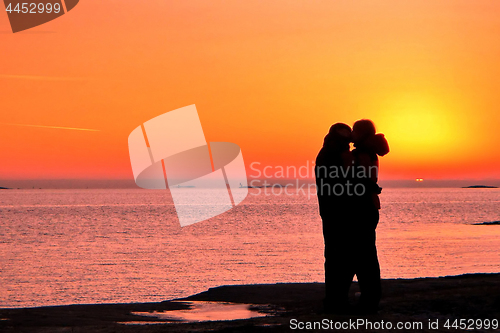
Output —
<point x="107" y="246"/>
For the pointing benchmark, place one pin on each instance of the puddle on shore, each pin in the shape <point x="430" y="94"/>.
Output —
<point x="204" y="311"/>
<point x="142" y="322"/>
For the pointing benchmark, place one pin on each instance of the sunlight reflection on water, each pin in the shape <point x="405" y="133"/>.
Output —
<point x="206" y="311"/>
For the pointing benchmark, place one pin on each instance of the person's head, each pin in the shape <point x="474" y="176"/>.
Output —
<point x="338" y="137"/>
<point x="362" y="130"/>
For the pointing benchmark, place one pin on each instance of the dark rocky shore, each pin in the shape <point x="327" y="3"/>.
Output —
<point x="470" y="296"/>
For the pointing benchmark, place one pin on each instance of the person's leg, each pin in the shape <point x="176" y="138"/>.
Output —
<point x="368" y="275"/>
<point x="368" y="267"/>
<point x="339" y="272"/>
<point x="338" y="279"/>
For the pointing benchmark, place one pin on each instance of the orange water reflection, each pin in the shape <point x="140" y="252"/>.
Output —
<point x="206" y="311"/>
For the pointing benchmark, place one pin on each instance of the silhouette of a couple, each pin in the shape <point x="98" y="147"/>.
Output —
<point x="349" y="207"/>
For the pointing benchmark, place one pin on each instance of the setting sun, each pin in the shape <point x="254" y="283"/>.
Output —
<point x="420" y="127"/>
<point x="419" y="124"/>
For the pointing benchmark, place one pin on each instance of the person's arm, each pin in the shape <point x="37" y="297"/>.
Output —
<point x="370" y="168"/>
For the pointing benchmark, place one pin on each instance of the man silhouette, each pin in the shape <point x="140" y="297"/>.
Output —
<point x="335" y="207"/>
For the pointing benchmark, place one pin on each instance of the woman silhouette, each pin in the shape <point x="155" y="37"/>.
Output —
<point x="368" y="146"/>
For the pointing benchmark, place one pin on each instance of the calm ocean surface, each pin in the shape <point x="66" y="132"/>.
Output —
<point x="105" y="246"/>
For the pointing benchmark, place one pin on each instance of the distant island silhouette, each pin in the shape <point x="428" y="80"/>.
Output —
<point x="480" y="186"/>
<point x="488" y="223"/>
<point x="5" y="188"/>
<point x="263" y="186"/>
<point x="250" y="186"/>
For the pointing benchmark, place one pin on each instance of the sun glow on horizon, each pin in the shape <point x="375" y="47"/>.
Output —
<point x="421" y="125"/>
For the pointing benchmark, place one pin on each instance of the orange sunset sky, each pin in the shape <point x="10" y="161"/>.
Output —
<point x="270" y="76"/>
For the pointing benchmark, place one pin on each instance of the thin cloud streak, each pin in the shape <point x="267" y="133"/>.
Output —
<point x="55" y="127"/>
<point x="40" y="78"/>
